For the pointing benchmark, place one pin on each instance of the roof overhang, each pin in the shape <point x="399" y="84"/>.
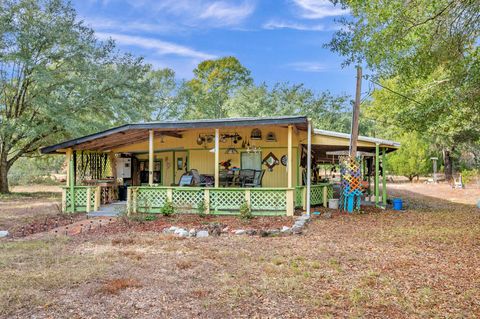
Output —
<point x="129" y="133"/>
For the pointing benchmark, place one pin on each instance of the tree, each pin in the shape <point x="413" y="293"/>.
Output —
<point x="412" y="159"/>
<point x="57" y="81"/>
<point x="327" y="111"/>
<point x="213" y="83"/>
<point x="429" y="49"/>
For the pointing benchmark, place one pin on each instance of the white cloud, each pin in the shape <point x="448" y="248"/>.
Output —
<point x="226" y="13"/>
<point x="200" y="12"/>
<point x="104" y="24"/>
<point x="160" y="47"/>
<point x="317" y="9"/>
<point x="315" y="67"/>
<point x="272" y="25"/>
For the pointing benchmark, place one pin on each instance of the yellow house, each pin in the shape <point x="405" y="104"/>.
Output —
<point x="211" y="165"/>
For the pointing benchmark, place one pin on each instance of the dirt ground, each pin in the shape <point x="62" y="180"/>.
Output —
<point x="420" y="263"/>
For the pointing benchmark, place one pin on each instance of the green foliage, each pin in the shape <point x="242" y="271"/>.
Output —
<point x="213" y="83"/>
<point x="424" y="56"/>
<point x="245" y="211"/>
<point x="36" y="170"/>
<point x="58" y="81"/>
<point x="470" y="176"/>
<point x="202" y="209"/>
<point x="412" y="159"/>
<point x="167" y="209"/>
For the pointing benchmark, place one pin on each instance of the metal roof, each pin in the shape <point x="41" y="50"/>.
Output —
<point x="360" y="138"/>
<point x="180" y="125"/>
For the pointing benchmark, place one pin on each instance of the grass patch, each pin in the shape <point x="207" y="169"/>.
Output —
<point x="115" y="286"/>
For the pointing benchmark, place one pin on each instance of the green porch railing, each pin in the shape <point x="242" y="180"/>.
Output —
<point x="319" y="194"/>
<point x="263" y="201"/>
<point x="84" y="199"/>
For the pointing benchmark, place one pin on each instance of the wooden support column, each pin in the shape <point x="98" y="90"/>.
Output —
<point x="325" y="196"/>
<point x="377" y="169"/>
<point x="71" y="179"/>
<point x="290" y="201"/>
<point x="217" y="158"/>
<point x="207" y="200"/>
<point x="89" y="199"/>
<point x="384" y="178"/>
<point x="129" y="201"/>
<point x="289" y="157"/>
<point x="150" y="157"/>
<point x="98" y="198"/>
<point x="309" y="164"/>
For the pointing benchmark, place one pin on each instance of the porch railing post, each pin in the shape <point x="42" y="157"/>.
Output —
<point x="134" y="201"/>
<point x="170" y="195"/>
<point x="89" y="200"/>
<point x="207" y="200"/>
<point x="97" y="199"/>
<point x="64" y="200"/>
<point x="150" y="157"/>
<point x="129" y="201"/>
<point x="377" y="168"/>
<point x="290" y="193"/>
<point x="248" y="197"/>
<point x="325" y="195"/>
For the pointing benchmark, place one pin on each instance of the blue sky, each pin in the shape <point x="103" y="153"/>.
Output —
<point x="278" y="40"/>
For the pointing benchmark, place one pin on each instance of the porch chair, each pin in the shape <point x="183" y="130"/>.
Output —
<point x="246" y="176"/>
<point x="257" y="179"/>
<point x="198" y="180"/>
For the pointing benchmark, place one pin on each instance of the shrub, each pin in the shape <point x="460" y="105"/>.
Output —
<point x="245" y="211"/>
<point x="470" y="176"/>
<point x="202" y="209"/>
<point x="167" y="209"/>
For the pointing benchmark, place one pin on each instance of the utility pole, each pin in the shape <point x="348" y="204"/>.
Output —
<point x="356" y="115"/>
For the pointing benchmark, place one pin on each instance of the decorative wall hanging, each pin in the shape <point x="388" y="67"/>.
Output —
<point x="179" y="163"/>
<point x="256" y="134"/>
<point x="270" y="161"/>
<point x="284" y="160"/>
<point x="271" y="137"/>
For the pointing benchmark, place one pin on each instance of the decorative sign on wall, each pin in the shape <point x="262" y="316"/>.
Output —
<point x="284" y="160"/>
<point x="270" y="161"/>
<point x="256" y="134"/>
<point x="271" y="137"/>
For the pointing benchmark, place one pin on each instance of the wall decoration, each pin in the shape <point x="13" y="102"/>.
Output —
<point x="270" y="161"/>
<point x="271" y="137"/>
<point x="179" y="163"/>
<point x="256" y="134"/>
<point x="284" y="160"/>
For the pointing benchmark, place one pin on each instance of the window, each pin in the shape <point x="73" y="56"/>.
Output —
<point x="251" y="160"/>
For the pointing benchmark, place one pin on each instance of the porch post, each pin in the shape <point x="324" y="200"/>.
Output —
<point x="309" y="163"/>
<point x="377" y="168"/>
<point x="289" y="157"/>
<point x="71" y="177"/>
<point x="384" y="178"/>
<point x="150" y="157"/>
<point x="217" y="157"/>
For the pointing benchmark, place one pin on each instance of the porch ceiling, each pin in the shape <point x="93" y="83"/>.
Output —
<point x="320" y="152"/>
<point x="134" y="133"/>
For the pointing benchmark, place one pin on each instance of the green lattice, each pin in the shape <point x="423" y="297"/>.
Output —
<point x="226" y="199"/>
<point x="316" y="194"/>
<point x="188" y="198"/>
<point x="150" y="197"/>
<point x="268" y="199"/>
<point x="80" y="198"/>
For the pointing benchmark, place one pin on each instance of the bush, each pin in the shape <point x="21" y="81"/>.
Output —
<point x="202" y="209"/>
<point x="245" y="211"/>
<point x="167" y="209"/>
<point x="469" y="176"/>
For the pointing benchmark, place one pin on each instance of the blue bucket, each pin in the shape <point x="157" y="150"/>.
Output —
<point x="397" y="204"/>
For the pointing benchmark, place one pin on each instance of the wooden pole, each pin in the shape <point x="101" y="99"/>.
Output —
<point x="150" y="157"/>
<point x="384" y="177"/>
<point x="356" y="115"/>
<point x="289" y="157"/>
<point x="309" y="163"/>
<point x="217" y="158"/>
<point x="377" y="169"/>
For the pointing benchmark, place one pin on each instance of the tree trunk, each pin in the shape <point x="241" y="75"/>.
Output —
<point x="448" y="167"/>
<point x="3" y="174"/>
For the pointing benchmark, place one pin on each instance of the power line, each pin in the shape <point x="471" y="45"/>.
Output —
<point x="395" y="92"/>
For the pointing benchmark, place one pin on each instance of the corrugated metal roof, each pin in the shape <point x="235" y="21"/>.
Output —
<point x="360" y="138"/>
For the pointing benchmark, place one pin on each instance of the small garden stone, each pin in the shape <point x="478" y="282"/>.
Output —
<point x="202" y="233"/>
<point x="240" y="232"/>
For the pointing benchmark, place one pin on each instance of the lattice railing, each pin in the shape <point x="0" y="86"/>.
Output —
<point x="149" y="198"/>
<point x="187" y="198"/>
<point x="80" y="195"/>
<point x="217" y="200"/>
<point x="226" y="199"/>
<point x="268" y="199"/>
<point x="316" y="194"/>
